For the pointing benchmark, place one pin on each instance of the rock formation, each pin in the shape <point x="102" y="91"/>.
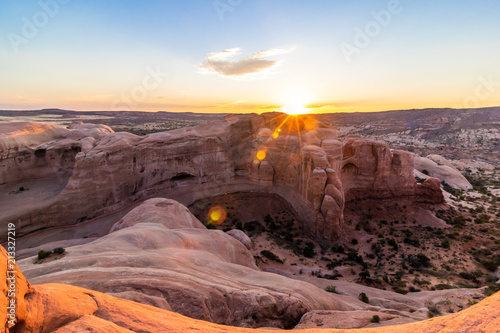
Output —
<point x="438" y="167"/>
<point x="160" y="254"/>
<point x="63" y="308"/>
<point x="97" y="172"/>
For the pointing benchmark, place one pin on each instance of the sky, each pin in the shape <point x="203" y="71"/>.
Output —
<point x="249" y="55"/>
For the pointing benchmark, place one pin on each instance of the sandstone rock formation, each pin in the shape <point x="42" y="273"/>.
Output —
<point x="444" y="171"/>
<point x="97" y="172"/>
<point x="63" y="308"/>
<point x="241" y="236"/>
<point x="159" y="254"/>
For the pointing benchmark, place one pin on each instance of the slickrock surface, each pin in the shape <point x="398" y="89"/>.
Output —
<point x="438" y="167"/>
<point x="160" y="254"/>
<point x="63" y="308"/>
<point x="86" y="171"/>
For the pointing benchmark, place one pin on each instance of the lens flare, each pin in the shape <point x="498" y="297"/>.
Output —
<point x="217" y="215"/>
<point x="261" y="154"/>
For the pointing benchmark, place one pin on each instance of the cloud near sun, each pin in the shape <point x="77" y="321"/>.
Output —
<point x="252" y="67"/>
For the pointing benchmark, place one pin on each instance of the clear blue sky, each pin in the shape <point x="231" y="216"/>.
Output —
<point x="99" y="55"/>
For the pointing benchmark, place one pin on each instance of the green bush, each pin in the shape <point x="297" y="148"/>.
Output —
<point x="375" y="319"/>
<point x="458" y="221"/>
<point x="331" y="289"/>
<point x="490" y="265"/>
<point x="443" y="286"/>
<point x="43" y="254"/>
<point x="363" y="298"/>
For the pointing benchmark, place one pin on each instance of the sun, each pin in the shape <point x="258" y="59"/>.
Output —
<point x="294" y="103"/>
<point x="294" y="109"/>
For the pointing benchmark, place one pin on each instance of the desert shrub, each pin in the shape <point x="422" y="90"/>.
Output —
<point x="419" y="260"/>
<point x="43" y="254"/>
<point x="271" y="256"/>
<point x="421" y="282"/>
<point x="450" y="189"/>
<point x="331" y="289"/>
<point x="445" y="243"/>
<point x="353" y="256"/>
<point x="483" y="218"/>
<point x="433" y="308"/>
<point x="458" y="221"/>
<point x="58" y="250"/>
<point x="253" y="227"/>
<point x="490" y="265"/>
<point x="376" y="248"/>
<point x="470" y="303"/>
<point x="400" y="291"/>
<point x="411" y="241"/>
<point x="332" y="277"/>
<point x="392" y="242"/>
<point x="334" y="263"/>
<point x="308" y="250"/>
<point x="363" y="298"/>
<point x="419" y="180"/>
<point x="443" y="286"/>
<point x="338" y="249"/>
<point x="375" y="319"/>
<point x="354" y="241"/>
<point x="364" y="275"/>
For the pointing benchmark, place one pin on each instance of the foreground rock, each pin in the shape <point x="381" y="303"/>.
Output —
<point x="63" y="308"/>
<point x="160" y="254"/>
<point x="99" y="172"/>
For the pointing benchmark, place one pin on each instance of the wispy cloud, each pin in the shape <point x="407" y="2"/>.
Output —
<point x="251" y="67"/>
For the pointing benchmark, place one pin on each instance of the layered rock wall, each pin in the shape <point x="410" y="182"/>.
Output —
<point x="293" y="157"/>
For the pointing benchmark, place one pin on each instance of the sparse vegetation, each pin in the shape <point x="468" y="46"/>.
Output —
<point x="43" y="254"/>
<point x="331" y="289"/>
<point x="58" y="250"/>
<point x="271" y="256"/>
<point x="363" y="298"/>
